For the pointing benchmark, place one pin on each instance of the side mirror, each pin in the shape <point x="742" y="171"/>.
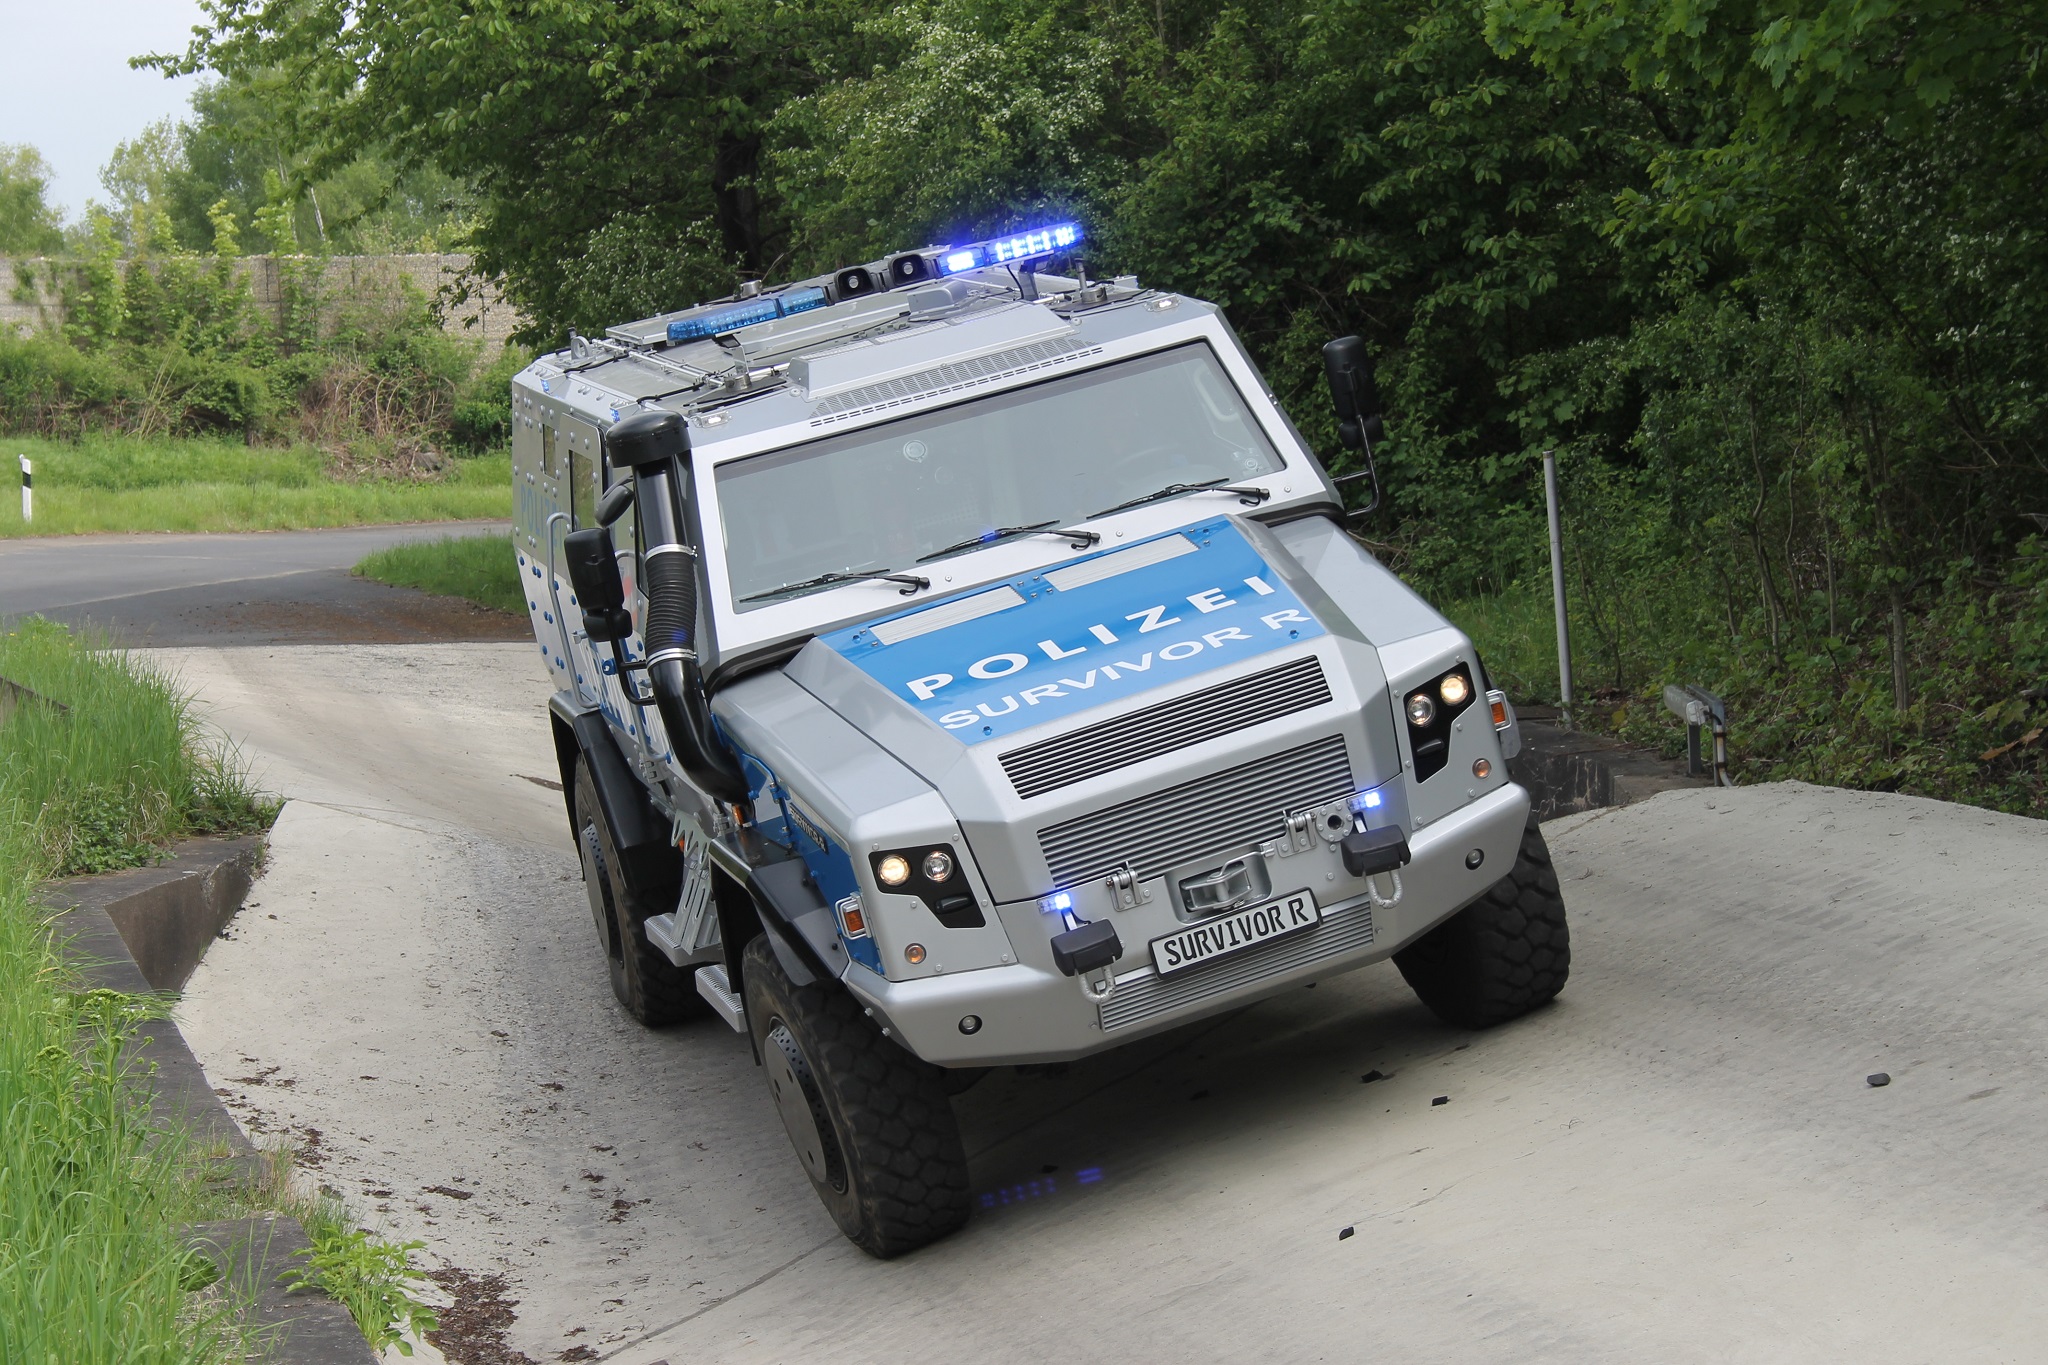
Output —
<point x="594" y="570"/>
<point x="1354" y="392"/>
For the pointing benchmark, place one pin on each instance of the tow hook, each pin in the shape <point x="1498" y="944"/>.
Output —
<point x="1085" y="951"/>
<point x="1373" y="853"/>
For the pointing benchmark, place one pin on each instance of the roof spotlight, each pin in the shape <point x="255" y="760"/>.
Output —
<point x="909" y="268"/>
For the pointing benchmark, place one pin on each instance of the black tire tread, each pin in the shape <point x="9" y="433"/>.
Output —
<point x="1501" y="956"/>
<point x="646" y="984"/>
<point x="907" y="1170"/>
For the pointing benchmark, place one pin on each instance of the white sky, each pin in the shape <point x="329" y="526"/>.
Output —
<point x="65" y="85"/>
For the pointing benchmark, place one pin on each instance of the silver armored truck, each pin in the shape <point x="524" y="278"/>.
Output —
<point x="961" y="664"/>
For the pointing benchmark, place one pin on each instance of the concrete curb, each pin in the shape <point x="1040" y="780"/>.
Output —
<point x="167" y="914"/>
<point x="1568" y="771"/>
<point x="256" y="1257"/>
<point x="143" y="931"/>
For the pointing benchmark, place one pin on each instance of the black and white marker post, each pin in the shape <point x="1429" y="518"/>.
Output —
<point x="28" y="502"/>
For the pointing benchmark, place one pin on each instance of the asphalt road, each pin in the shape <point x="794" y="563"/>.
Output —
<point x="1678" y="1161"/>
<point x="256" y="588"/>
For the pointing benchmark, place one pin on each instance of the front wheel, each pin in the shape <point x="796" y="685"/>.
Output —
<point x="871" y="1123"/>
<point x="1501" y="956"/>
<point x="651" y="988"/>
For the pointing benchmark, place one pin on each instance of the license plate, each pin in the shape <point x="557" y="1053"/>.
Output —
<point x="1234" y="932"/>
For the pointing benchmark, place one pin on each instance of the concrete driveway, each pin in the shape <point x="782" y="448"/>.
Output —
<point x="1678" y="1161"/>
<point x="257" y="587"/>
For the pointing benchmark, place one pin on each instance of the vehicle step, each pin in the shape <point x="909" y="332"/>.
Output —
<point x="712" y="985"/>
<point x="661" y="932"/>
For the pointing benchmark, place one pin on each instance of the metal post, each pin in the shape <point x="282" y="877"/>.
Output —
<point x="28" y="505"/>
<point x="1564" y="629"/>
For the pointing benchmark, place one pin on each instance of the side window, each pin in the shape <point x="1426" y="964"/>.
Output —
<point x="550" y="464"/>
<point x="582" y="484"/>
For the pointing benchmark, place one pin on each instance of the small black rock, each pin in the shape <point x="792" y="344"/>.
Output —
<point x="1369" y="1077"/>
<point x="1877" y="1078"/>
<point x="1345" y="1232"/>
<point x="1440" y="1099"/>
<point x="1199" y="1095"/>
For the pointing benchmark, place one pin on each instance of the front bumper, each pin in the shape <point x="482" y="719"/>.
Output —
<point x="1031" y="1013"/>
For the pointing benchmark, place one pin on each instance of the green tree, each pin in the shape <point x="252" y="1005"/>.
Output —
<point x="565" y="115"/>
<point x="29" y="224"/>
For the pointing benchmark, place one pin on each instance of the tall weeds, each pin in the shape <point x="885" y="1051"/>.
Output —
<point x="99" y="761"/>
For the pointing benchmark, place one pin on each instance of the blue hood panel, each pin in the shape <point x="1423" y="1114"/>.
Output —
<point x="1039" y="651"/>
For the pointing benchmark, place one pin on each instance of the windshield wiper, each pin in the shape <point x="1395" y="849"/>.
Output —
<point x="1250" y="497"/>
<point x="1081" y="539"/>
<point x="915" y="582"/>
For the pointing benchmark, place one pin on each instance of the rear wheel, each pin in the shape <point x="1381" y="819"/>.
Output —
<point x="871" y="1123"/>
<point x="1501" y="956"/>
<point x="652" y="989"/>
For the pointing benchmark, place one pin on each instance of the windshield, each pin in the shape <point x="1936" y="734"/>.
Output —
<point x="882" y="497"/>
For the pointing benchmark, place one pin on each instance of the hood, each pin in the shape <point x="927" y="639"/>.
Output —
<point x="1090" y="633"/>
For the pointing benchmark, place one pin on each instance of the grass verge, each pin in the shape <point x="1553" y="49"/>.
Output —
<point x="100" y="764"/>
<point x="1813" y="704"/>
<point x="480" y="569"/>
<point x="108" y="482"/>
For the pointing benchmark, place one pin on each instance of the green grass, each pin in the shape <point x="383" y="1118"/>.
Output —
<point x="92" y="1193"/>
<point x="106" y="482"/>
<point x="481" y="569"/>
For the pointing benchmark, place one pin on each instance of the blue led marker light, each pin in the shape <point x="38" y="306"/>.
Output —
<point x="1372" y="800"/>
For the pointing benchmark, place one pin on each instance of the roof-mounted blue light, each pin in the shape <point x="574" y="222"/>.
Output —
<point x="710" y="322"/>
<point x="1011" y="250"/>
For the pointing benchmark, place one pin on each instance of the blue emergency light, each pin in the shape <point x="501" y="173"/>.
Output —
<point x="709" y="322"/>
<point x="1022" y="246"/>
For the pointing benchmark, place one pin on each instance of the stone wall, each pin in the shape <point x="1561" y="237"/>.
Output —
<point x="349" y="280"/>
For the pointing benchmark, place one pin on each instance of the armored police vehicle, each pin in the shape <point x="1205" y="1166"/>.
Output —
<point x="960" y="664"/>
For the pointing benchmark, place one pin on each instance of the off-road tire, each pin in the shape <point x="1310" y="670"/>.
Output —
<point x="894" y="1175"/>
<point x="651" y="988"/>
<point x="1501" y="956"/>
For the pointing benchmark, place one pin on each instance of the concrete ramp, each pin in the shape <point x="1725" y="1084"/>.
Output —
<point x="1678" y="1161"/>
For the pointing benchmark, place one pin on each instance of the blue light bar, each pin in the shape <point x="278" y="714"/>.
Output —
<point x="1022" y="246"/>
<point x="801" y="301"/>
<point x="709" y="322"/>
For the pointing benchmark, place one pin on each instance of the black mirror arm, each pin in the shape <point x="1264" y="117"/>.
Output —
<point x="626" y="667"/>
<point x="1369" y="472"/>
<point x="1364" y="428"/>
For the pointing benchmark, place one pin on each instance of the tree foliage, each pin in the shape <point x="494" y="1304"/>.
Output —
<point x="29" y="224"/>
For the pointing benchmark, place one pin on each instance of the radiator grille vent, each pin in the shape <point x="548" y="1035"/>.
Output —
<point x="1144" y="997"/>
<point x="1225" y="810"/>
<point x="1127" y="739"/>
<point x="966" y="374"/>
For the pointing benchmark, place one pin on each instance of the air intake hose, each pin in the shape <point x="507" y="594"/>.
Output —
<point x="654" y="444"/>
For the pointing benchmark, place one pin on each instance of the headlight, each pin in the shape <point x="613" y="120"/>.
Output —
<point x="893" y="870"/>
<point x="1421" y="710"/>
<point x="1455" y="689"/>
<point x="938" y="865"/>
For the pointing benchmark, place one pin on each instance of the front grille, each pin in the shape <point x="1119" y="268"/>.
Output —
<point x="965" y="374"/>
<point x="1127" y="739"/>
<point x="1144" y="997"/>
<point x="1230" y="809"/>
